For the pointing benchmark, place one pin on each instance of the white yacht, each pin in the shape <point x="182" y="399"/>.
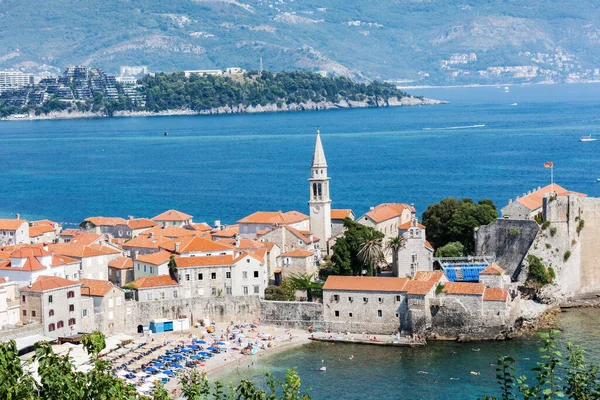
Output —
<point x="588" y="138"/>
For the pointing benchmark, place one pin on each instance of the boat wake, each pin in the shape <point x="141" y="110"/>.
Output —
<point x="449" y="128"/>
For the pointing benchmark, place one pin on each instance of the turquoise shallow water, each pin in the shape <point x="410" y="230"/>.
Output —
<point x="393" y="373"/>
<point x="225" y="167"/>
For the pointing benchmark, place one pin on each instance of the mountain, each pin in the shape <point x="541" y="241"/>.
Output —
<point x="422" y="41"/>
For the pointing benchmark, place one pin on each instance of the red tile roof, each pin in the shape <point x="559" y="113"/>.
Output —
<point x="495" y="294"/>
<point x="84" y="238"/>
<point x="386" y="211"/>
<point x="274" y="218"/>
<point x="95" y="287"/>
<point x="58" y="260"/>
<point x="228" y="232"/>
<point x="341" y="214"/>
<point x="170" y="231"/>
<point x="201" y="226"/>
<point x="105" y="221"/>
<point x="154" y="281"/>
<point x="27" y="251"/>
<point x="11" y="224"/>
<point x="140" y="223"/>
<point x="298" y="253"/>
<point x="158" y="258"/>
<point x="81" y="251"/>
<point x="535" y="200"/>
<point x="70" y="232"/>
<point x="40" y="230"/>
<point x="428" y="276"/>
<point x="43" y="283"/>
<point x="193" y="244"/>
<point x="492" y="269"/>
<point x="121" y="263"/>
<point x="365" y="283"/>
<point x="464" y="288"/>
<point x="172" y="215"/>
<point x="419" y="288"/>
<point x="44" y="222"/>
<point x="408" y="224"/>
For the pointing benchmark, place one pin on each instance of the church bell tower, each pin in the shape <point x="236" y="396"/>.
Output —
<point x="320" y="203"/>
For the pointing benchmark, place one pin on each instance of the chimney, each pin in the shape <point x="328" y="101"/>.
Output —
<point x="130" y="217"/>
<point x="371" y="208"/>
<point x="151" y="235"/>
<point x="136" y="254"/>
<point x="218" y="224"/>
<point x="237" y="240"/>
<point x="177" y="247"/>
<point x="17" y="216"/>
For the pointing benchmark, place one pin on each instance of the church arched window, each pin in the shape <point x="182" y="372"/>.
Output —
<point x="319" y="190"/>
<point x="315" y="189"/>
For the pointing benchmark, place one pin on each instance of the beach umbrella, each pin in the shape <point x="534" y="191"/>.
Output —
<point x="194" y="347"/>
<point x="200" y="341"/>
<point x="159" y="364"/>
<point x="168" y="372"/>
<point x="160" y="376"/>
<point x="151" y="370"/>
<point x="204" y="353"/>
<point x="177" y="366"/>
<point x="186" y="351"/>
<point x="196" y="357"/>
<point x="178" y="356"/>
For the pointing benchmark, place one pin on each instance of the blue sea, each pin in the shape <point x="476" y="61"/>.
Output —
<point x="480" y="145"/>
<point x="225" y="167"/>
<point x="438" y="371"/>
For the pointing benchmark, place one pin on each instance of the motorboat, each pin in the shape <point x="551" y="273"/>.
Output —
<point x="588" y="138"/>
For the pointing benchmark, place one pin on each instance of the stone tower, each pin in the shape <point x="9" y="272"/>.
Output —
<point x="320" y="203"/>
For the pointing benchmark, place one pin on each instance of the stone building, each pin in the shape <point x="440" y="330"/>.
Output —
<point x="297" y="262"/>
<point x="160" y="287"/>
<point x="288" y="239"/>
<point x="494" y="277"/>
<point x="101" y="225"/>
<point x="108" y="310"/>
<point x="530" y="204"/>
<point x="173" y="218"/>
<point x="14" y="231"/>
<point x="416" y="253"/>
<point x="53" y="302"/>
<point x="222" y="275"/>
<point x="28" y="262"/>
<point x="319" y="199"/>
<point x="44" y="231"/>
<point x="364" y="304"/>
<point x="263" y="221"/>
<point x="94" y="258"/>
<point x="337" y="220"/>
<point x="386" y="218"/>
<point x="120" y="271"/>
<point x="10" y="306"/>
<point x="132" y="227"/>
<point x="152" y="264"/>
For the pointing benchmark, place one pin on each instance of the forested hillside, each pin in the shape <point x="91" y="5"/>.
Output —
<point x="424" y="41"/>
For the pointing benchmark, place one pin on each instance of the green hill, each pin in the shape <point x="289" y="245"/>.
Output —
<point x="426" y="41"/>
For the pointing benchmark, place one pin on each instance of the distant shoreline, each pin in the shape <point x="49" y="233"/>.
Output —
<point x="268" y="108"/>
<point x="476" y="85"/>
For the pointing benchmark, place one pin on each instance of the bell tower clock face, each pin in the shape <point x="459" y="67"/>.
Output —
<point x="316" y="209"/>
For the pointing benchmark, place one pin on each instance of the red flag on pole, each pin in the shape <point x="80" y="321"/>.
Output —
<point x="548" y="164"/>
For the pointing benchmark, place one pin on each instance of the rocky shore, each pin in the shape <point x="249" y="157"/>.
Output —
<point x="240" y="109"/>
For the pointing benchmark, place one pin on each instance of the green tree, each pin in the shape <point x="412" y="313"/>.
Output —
<point x="306" y="282"/>
<point x="453" y="220"/>
<point x="452" y="249"/>
<point x="345" y="251"/>
<point x="554" y="376"/>
<point x="538" y="272"/>
<point x="15" y="384"/>
<point x="393" y="245"/>
<point x="173" y="269"/>
<point x="284" y="292"/>
<point x="371" y="252"/>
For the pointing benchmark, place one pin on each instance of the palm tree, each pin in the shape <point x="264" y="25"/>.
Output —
<point x="393" y="245"/>
<point x="371" y="252"/>
<point x="305" y="282"/>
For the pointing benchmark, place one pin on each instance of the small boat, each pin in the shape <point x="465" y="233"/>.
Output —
<point x="165" y="133"/>
<point x="588" y="138"/>
<point x="475" y="373"/>
<point x="506" y="88"/>
<point x="323" y="368"/>
<point x="514" y="104"/>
